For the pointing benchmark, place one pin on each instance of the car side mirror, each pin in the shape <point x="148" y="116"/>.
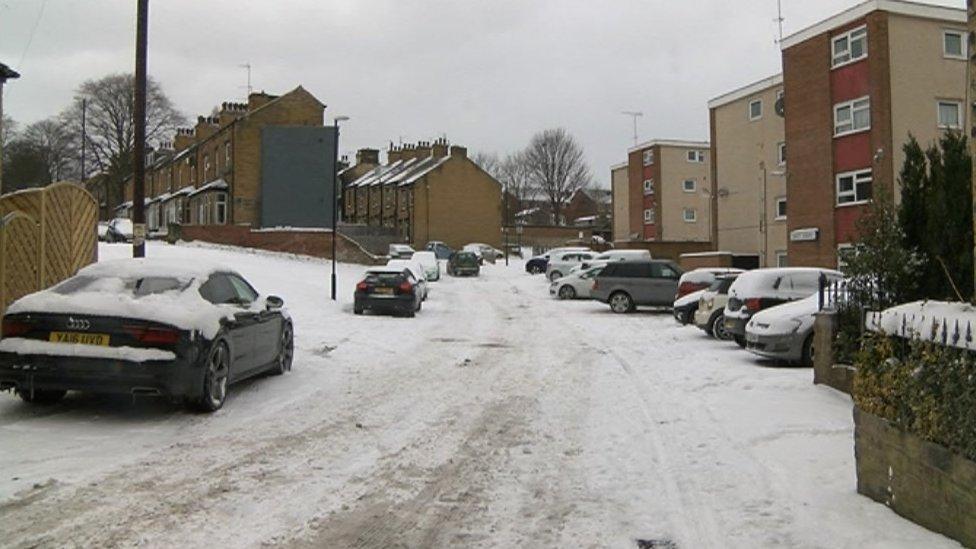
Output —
<point x="273" y="303"/>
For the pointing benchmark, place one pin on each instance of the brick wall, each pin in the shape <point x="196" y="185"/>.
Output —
<point x="548" y="236"/>
<point x="666" y="250"/>
<point x="312" y="243"/>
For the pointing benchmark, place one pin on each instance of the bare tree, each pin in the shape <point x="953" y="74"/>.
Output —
<point x="488" y="162"/>
<point x="110" y="126"/>
<point x="557" y="168"/>
<point x="513" y="173"/>
<point x="52" y="138"/>
<point x="8" y="129"/>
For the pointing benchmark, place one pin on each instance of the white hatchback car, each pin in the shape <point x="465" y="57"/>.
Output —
<point x="562" y="263"/>
<point x="428" y="260"/>
<point x="576" y="285"/>
<point x="418" y="272"/>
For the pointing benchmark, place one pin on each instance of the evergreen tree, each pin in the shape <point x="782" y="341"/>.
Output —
<point x="912" y="213"/>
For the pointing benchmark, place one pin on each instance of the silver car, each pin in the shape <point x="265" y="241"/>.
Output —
<point x="576" y="285"/>
<point x="626" y="285"/>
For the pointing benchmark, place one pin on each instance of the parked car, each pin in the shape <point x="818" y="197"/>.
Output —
<point x="539" y="263"/>
<point x="103" y="231"/>
<point x="576" y="285"/>
<point x="441" y="250"/>
<point x="617" y="255"/>
<point x="784" y="332"/>
<point x="625" y="285"/>
<point x="700" y="279"/>
<point x="463" y="264"/>
<point x="488" y="253"/>
<point x="388" y="289"/>
<point x="432" y="267"/>
<point x="144" y="327"/>
<point x="761" y="289"/>
<point x="476" y="250"/>
<point x="119" y="230"/>
<point x="685" y="307"/>
<point x="561" y="263"/>
<point x="710" y="315"/>
<point x="401" y="251"/>
<point x="418" y="272"/>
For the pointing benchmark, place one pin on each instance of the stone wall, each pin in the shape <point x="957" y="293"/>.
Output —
<point x="921" y="481"/>
<point x="825" y="371"/>
<point x="316" y="243"/>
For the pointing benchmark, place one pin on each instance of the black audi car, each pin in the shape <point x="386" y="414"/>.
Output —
<point x="144" y="327"/>
<point x="388" y="289"/>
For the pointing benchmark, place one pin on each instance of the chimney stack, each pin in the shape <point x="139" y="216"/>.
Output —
<point x="394" y="154"/>
<point x="257" y="100"/>
<point x="369" y="157"/>
<point x="423" y="150"/>
<point x="459" y="151"/>
<point x="206" y="126"/>
<point x="231" y="111"/>
<point x="182" y="139"/>
<point x="439" y="148"/>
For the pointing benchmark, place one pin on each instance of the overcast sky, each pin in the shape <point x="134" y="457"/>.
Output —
<point x="487" y="74"/>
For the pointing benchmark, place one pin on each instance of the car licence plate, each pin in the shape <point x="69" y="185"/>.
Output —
<point x="383" y="291"/>
<point x="75" y="337"/>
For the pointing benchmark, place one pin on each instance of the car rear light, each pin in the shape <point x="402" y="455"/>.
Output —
<point x="14" y="328"/>
<point x="753" y="304"/>
<point x="362" y="286"/>
<point x="405" y="288"/>
<point x="153" y="336"/>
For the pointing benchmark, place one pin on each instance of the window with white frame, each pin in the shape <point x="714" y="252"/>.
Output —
<point x="696" y="156"/>
<point x="227" y="154"/>
<point x="781" y="259"/>
<point x="648" y="186"/>
<point x="781" y="208"/>
<point x="648" y="157"/>
<point x="781" y="153"/>
<point x="950" y="115"/>
<point x="849" y="47"/>
<point x="690" y="186"/>
<point x="206" y="166"/>
<point x="220" y="209"/>
<point x="649" y="215"/>
<point x="202" y="213"/>
<point x="852" y="116"/>
<point x="185" y="216"/>
<point x="755" y="109"/>
<point x="954" y="44"/>
<point x="690" y="215"/>
<point x="854" y="187"/>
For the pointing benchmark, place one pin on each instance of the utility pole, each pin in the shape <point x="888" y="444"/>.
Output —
<point x="779" y="19"/>
<point x="335" y="199"/>
<point x="139" y="125"/>
<point x="970" y="112"/>
<point x="635" y="115"/>
<point x="84" y="135"/>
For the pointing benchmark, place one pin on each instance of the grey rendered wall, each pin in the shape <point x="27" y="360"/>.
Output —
<point x="297" y="175"/>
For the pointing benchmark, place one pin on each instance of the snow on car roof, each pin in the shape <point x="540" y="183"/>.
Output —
<point x="380" y="269"/>
<point x="143" y="267"/>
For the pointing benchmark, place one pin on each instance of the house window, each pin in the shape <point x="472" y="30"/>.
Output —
<point x="649" y="216"/>
<point x="690" y="215"/>
<point x="648" y="186"/>
<point x="781" y="208"/>
<point x="755" y="109"/>
<point x="852" y="116"/>
<point x="781" y="260"/>
<point x="206" y="166"/>
<point x="950" y="115"/>
<point x="781" y="153"/>
<point x="696" y="156"/>
<point x="201" y="213"/>
<point x="648" y="157"/>
<point x="854" y="187"/>
<point x="850" y="47"/>
<point x="185" y="203"/>
<point x="227" y="154"/>
<point x="954" y="44"/>
<point x="220" y="209"/>
<point x="690" y="185"/>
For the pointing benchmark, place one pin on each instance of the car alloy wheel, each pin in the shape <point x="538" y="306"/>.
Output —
<point x="286" y="352"/>
<point x="621" y="303"/>
<point x="718" y="329"/>
<point x="215" y="381"/>
<point x="567" y="292"/>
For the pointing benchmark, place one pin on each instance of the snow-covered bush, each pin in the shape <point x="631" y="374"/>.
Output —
<point x="923" y="387"/>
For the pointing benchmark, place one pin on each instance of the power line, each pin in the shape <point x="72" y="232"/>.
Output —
<point x="30" y="39"/>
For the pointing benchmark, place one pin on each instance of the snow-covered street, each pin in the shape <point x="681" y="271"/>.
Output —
<point x="498" y="417"/>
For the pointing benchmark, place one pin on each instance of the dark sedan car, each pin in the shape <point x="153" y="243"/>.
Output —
<point x="463" y="264"/>
<point x="144" y="327"/>
<point x="389" y="289"/>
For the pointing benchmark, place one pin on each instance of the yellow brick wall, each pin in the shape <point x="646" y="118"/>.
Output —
<point x="457" y="203"/>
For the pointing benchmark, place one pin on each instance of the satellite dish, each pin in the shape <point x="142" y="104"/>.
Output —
<point x="780" y="107"/>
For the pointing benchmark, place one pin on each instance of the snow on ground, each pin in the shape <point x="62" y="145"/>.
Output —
<point x="496" y="418"/>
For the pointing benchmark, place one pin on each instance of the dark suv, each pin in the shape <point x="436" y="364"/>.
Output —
<point x="625" y="285"/>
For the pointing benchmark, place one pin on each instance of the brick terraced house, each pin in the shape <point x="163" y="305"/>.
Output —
<point x="748" y="172"/>
<point x="428" y="191"/>
<point x="666" y="197"/>
<point x="856" y="86"/>
<point x="217" y="172"/>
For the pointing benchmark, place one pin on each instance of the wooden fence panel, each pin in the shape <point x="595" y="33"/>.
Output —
<point x="19" y="257"/>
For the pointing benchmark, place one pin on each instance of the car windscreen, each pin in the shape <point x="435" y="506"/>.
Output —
<point x="384" y="279"/>
<point x="466" y="258"/>
<point x="137" y="287"/>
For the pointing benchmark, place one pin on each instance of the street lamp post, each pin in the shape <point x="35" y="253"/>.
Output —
<point x="335" y="199"/>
